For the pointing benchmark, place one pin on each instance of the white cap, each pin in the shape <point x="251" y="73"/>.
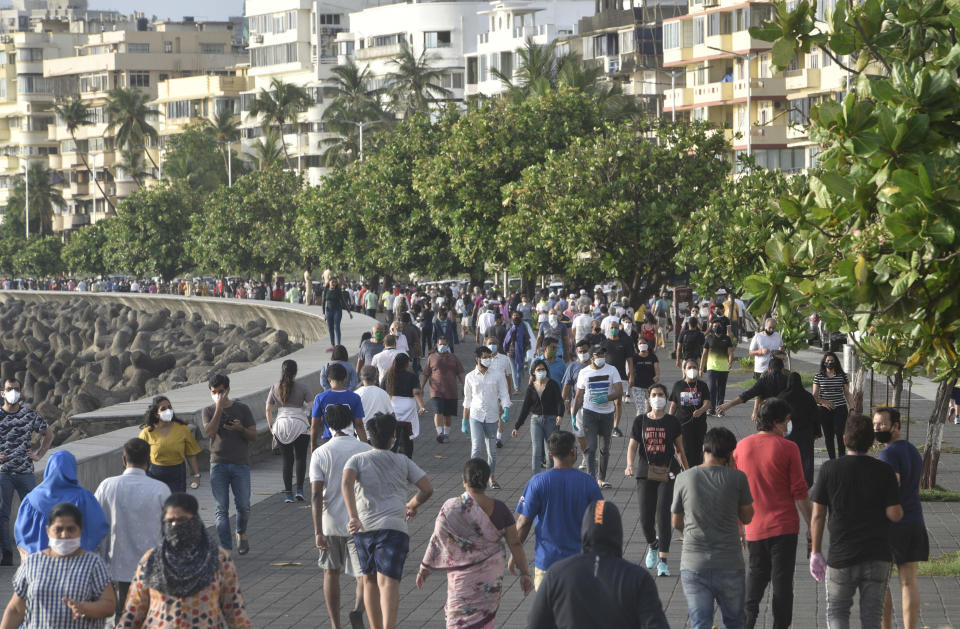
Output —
<point x="583" y="291"/>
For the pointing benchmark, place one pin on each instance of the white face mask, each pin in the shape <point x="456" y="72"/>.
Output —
<point x="215" y="397"/>
<point x="658" y="403"/>
<point x="789" y="429"/>
<point x="540" y="375"/>
<point x="12" y="396"/>
<point x="692" y="374"/>
<point x="599" y="361"/>
<point x="552" y="320"/>
<point x="166" y="415"/>
<point x="626" y="327"/>
<point x="584" y="356"/>
<point x="65" y="546"/>
<point x="486" y="362"/>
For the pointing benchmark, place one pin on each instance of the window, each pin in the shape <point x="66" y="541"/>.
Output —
<point x="138" y="79"/>
<point x="760" y="14"/>
<point x="471" y="70"/>
<point x="212" y="49"/>
<point x="764" y="66"/>
<point x="626" y="42"/>
<point x="457" y="78"/>
<point x="563" y="49"/>
<point x="671" y="35"/>
<point x="331" y="19"/>
<point x="800" y="111"/>
<point x="39" y="123"/>
<point x="178" y="109"/>
<point x="33" y="84"/>
<point x="387" y="40"/>
<point x="97" y="115"/>
<point x="739" y="20"/>
<point x="273" y="55"/>
<point x="246" y="101"/>
<point x="436" y="39"/>
<point x="813" y="59"/>
<point x="697" y="31"/>
<point x="825" y="60"/>
<point x="483" y="68"/>
<point x="228" y="104"/>
<point x="30" y="54"/>
<point x="140" y="49"/>
<point x="718" y="24"/>
<point x="168" y="47"/>
<point x="701" y="76"/>
<point x="95" y="82"/>
<point x="506" y="63"/>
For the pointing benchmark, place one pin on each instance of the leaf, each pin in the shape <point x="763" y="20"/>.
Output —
<point x="783" y="53"/>
<point x="861" y="271"/>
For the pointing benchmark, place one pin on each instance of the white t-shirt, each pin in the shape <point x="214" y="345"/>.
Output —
<point x="486" y="321"/>
<point x="760" y="340"/>
<point x="374" y="400"/>
<point x="607" y="322"/>
<point x="596" y="385"/>
<point x="383" y="361"/>
<point x="326" y="466"/>
<point x="582" y="324"/>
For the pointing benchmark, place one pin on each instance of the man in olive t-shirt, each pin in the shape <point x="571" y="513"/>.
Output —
<point x="231" y="428"/>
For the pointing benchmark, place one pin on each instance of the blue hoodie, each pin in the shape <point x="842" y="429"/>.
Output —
<point x="59" y="485"/>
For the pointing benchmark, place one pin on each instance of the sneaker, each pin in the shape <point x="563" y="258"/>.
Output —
<point x="356" y="619"/>
<point x="439" y="438"/>
<point x="299" y="496"/>
<point x="711" y="413"/>
<point x="583" y="463"/>
<point x="652" y="557"/>
<point x="446" y="438"/>
<point x="329" y="349"/>
<point x="288" y="497"/>
<point x="719" y="413"/>
<point x="662" y="569"/>
<point x="494" y="484"/>
<point x="499" y="443"/>
<point x="604" y="484"/>
<point x="617" y="432"/>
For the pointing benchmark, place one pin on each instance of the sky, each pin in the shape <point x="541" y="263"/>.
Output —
<point x="174" y="9"/>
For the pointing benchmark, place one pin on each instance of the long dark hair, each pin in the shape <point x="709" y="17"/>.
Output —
<point x="152" y="416"/>
<point x="390" y="378"/>
<point x="288" y="373"/>
<point x="837" y="369"/>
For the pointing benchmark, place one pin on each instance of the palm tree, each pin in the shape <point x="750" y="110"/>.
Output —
<point x="537" y="65"/>
<point x="75" y="114"/>
<point x="129" y="113"/>
<point x="280" y="106"/>
<point x="413" y="83"/>
<point x="133" y="164"/>
<point x="43" y="197"/>
<point x="224" y="128"/>
<point x="352" y="101"/>
<point x="267" y="149"/>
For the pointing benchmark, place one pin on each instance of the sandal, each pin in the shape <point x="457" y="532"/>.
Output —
<point x="243" y="546"/>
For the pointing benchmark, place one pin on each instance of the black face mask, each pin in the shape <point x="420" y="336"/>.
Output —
<point x="883" y="436"/>
<point x="830" y="365"/>
<point x="718" y="330"/>
<point x="768" y="332"/>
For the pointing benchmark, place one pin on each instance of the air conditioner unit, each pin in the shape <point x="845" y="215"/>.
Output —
<point x="258" y="39"/>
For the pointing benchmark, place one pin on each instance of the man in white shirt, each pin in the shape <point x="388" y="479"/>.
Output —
<point x="133" y="506"/>
<point x="484" y="395"/>
<point x="372" y="397"/>
<point x="598" y="388"/>
<point x="338" y="554"/>
<point x="582" y="324"/>
<point x="384" y="360"/>
<point x="501" y="364"/>
<point x="486" y="320"/>
<point x="762" y="346"/>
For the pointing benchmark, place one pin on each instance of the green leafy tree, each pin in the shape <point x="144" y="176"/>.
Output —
<point x="85" y="252"/>
<point x="608" y="204"/>
<point x="39" y="257"/>
<point x="129" y="114"/>
<point x="44" y="199"/>
<point x="146" y="238"/>
<point x="194" y="157"/>
<point x="280" y="106"/>
<point x="134" y="165"/>
<point x="352" y="101"/>
<point x="224" y="129"/>
<point x="329" y="236"/>
<point x="267" y="152"/>
<point x="247" y="227"/>
<point x="75" y="114"/>
<point x="876" y="246"/>
<point x="414" y="83"/>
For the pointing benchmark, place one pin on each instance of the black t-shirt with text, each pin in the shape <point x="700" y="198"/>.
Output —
<point x="656" y="438"/>
<point x="643" y="370"/>
<point x="689" y="397"/>
<point x="857" y="490"/>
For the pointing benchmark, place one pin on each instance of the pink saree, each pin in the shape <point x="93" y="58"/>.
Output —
<point x="467" y="545"/>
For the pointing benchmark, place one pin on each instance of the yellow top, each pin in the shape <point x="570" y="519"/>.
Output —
<point x="172" y="448"/>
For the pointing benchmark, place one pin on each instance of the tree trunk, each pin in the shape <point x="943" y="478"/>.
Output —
<point x="931" y="450"/>
<point x="897" y="389"/>
<point x="83" y="158"/>
<point x="856" y="388"/>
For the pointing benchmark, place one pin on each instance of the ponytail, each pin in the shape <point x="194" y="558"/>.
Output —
<point x="288" y="371"/>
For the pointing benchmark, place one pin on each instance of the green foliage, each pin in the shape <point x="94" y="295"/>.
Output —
<point x="194" y="157"/>
<point x="38" y="257"/>
<point x="248" y="228"/>
<point x="352" y="102"/>
<point x="280" y="105"/>
<point x="147" y="236"/>
<point x="608" y="204"/>
<point x="85" y="252"/>
<point x="44" y="198"/>
<point x="939" y="494"/>
<point x="415" y="82"/>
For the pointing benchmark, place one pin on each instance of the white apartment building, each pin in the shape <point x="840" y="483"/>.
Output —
<point x="510" y="23"/>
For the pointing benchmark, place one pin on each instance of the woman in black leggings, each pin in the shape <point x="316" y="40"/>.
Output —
<point x="288" y="422"/>
<point x="831" y="390"/>
<point x="658" y="439"/>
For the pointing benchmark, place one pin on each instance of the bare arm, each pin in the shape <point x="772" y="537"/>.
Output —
<point x="418" y="396"/>
<point x="104" y="606"/>
<point x="15" y="612"/>
<point x="45" y="442"/>
<point x="350" y="500"/>
<point x="632" y="449"/>
<point x="211" y="427"/>
<point x="516" y="550"/>
<point x="894" y="513"/>
<point x="317" y="502"/>
<point x="524" y="524"/>
<point x="746" y="513"/>
<point x="425" y="490"/>
<point x="577" y="402"/>
<point x="681" y="453"/>
<point x="677" y="519"/>
<point x="268" y="411"/>
<point x="194" y="467"/>
<point x="818" y="519"/>
<point x="803" y="506"/>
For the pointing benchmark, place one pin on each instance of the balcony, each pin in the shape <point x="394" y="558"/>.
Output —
<point x="9" y="162"/>
<point x="63" y="222"/>
<point x="741" y="41"/>
<point x="760" y="88"/>
<point x="712" y="93"/>
<point x="675" y="56"/>
<point x="679" y="97"/>
<point x="807" y="78"/>
<point x="103" y="160"/>
<point x="377" y="52"/>
<point x="768" y="135"/>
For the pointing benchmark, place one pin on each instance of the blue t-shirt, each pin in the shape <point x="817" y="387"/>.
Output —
<point x="327" y="398"/>
<point x="573" y="370"/>
<point x="556" y="369"/>
<point x="906" y="461"/>
<point x="556" y="500"/>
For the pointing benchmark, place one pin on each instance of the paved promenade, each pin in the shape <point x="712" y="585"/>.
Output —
<point x="283" y="586"/>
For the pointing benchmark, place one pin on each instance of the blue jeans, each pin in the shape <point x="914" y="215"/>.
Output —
<point x="519" y="377"/>
<point x="223" y="477"/>
<point x="540" y="430"/>
<point x="870" y="577"/>
<point x="702" y="587"/>
<point x="481" y="432"/>
<point x="333" y="325"/>
<point x="23" y="483"/>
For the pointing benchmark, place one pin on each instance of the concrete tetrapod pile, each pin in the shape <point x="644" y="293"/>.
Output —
<point x="80" y="355"/>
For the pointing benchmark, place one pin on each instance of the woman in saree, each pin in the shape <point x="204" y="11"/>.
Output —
<point x="467" y="542"/>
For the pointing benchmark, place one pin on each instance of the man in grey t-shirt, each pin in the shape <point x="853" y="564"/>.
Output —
<point x="709" y="503"/>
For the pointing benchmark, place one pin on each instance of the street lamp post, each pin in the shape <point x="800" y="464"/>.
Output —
<point x="361" y="125"/>
<point x="747" y="59"/>
<point x="26" y="204"/>
<point x="673" y="74"/>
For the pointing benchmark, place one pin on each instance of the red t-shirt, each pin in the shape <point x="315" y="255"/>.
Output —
<point x="773" y="469"/>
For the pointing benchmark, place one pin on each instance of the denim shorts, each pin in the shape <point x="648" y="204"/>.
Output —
<point x="445" y="406"/>
<point x="383" y="551"/>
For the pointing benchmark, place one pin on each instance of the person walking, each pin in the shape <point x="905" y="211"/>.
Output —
<point x="598" y="388"/>
<point x="569" y="384"/>
<point x="763" y="345"/>
<point x="485" y="395"/>
<point x="804" y="417"/>
<point x="711" y="501"/>
<point x="374" y="490"/>
<point x="340" y="356"/>
<point x="287" y="420"/>
<point x="171" y="443"/>
<point x="63" y="586"/>
<point x="371" y="346"/>
<point x="338" y="553"/>
<point x="442" y="370"/>
<point x="402" y="386"/>
<point x="689" y="401"/>
<point x="644" y="373"/>
<point x="862" y="498"/>
<point x="338" y="394"/>
<point x="658" y="438"/>
<point x="334" y="301"/>
<point x="515" y="345"/>
<point x="690" y="342"/>
<point x="373" y="399"/>
<point x="771" y="384"/>
<point x="619" y="355"/>
<point x="231" y="428"/>
<point x="716" y="361"/>
<point x="544" y="401"/>
<point x="467" y="544"/>
<point x="908" y="537"/>
<point x="553" y="504"/>
<point x="132" y="504"/>
<point x="831" y="390"/>
<point x="18" y="424"/>
<point x="187" y="580"/>
<point x="775" y="471"/>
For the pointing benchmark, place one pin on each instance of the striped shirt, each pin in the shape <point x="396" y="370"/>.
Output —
<point x="44" y="581"/>
<point x="831" y="387"/>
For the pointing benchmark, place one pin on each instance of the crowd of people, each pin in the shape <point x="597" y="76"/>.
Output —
<point x="584" y="370"/>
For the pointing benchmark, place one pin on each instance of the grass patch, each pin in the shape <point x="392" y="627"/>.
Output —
<point x="805" y="377"/>
<point x="943" y="449"/>
<point x="946" y="566"/>
<point x="939" y="494"/>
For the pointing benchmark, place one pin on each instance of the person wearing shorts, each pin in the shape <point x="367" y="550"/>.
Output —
<point x="442" y="369"/>
<point x="568" y="385"/>
<point x="378" y="513"/>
